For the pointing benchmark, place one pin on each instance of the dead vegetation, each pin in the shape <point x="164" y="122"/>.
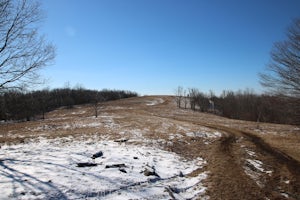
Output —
<point x="246" y="161"/>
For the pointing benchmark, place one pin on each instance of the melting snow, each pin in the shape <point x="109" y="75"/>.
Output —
<point x="155" y="102"/>
<point x="254" y="169"/>
<point x="257" y="164"/>
<point x="251" y="153"/>
<point x="173" y="136"/>
<point x="204" y="134"/>
<point x="47" y="169"/>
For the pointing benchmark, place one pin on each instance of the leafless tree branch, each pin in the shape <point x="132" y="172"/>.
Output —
<point x="22" y="51"/>
<point x="283" y="72"/>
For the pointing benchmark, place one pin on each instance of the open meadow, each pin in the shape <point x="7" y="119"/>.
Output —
<point x="147" y="148"/>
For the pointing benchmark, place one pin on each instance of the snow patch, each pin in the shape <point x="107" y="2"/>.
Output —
<point x="204" y="134"/>
<point x="257" y="164"/>
<point x="250" y="153"/>
<point x="78" y="112"/>
<point x="285" y="195"/>
<point x="155" y="102"/>
<point x="47" y="169"/>
<point x="254" y="169"/>
<point x="175" y="136"/>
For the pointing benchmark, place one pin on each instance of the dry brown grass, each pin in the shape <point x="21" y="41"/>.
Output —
<point x="286" y="143"/>
<point x="165" y="126"/>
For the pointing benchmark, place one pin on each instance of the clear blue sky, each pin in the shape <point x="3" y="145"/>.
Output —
<point x="153" y="46"/>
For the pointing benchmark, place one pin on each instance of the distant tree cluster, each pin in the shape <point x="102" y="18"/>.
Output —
<point x="23" y="52"/>
<point x="18" y="105"/>
<point x="281" y="79"/>
<point x="244" y="105"/>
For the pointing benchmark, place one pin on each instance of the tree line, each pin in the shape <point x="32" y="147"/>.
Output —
<point x="23" y="52"/>
<point x="19" y="105"/>
<point x="243" y="105"/>
<point x="281" y="79"/>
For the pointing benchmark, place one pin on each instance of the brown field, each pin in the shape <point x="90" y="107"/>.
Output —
<point x="245" y="160"/>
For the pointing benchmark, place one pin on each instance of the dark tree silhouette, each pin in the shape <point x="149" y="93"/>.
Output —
<point x="22" y="51"/>
<point x="283" y="72"/>
<point x="20" y="105"/>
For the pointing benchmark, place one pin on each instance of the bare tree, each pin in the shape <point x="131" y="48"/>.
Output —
<point x="283" y="72"/>
<point x="185" y="98"/>
<point x="178" y="95"/>
<point x="193" y="94"/>
<point x="22" y="51"/>
<point x="97" y="100"/>
<point x="283" y="75"/>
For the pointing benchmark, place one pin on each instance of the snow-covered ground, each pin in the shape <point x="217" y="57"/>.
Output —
<point x="48" y="169"/>
<point x="155" y="102"/>
<point x="202" y="134"/>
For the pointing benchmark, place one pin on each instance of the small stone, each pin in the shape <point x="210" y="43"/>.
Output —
<point x="97" y="155"/>
<point x="123" y="170"/>
<point x="86" y="164"/>
<point x="115" y="166"/>
<point x="181" y="174"/>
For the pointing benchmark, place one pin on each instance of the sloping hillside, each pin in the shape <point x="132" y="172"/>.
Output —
<point x="150" y="150"/>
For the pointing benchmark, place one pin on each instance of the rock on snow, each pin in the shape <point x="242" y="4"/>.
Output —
<point x="47" y="169"/>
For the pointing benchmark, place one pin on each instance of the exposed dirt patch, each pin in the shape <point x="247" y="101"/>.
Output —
<point x="228" y="179"/>
<point x="244" y="160"/>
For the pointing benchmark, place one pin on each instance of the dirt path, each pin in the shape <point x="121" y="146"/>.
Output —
<point x="228" y="162"/>
<point x="233" y="173"/>
<point x="228" y="179"/>
<point x="241" y="164"/>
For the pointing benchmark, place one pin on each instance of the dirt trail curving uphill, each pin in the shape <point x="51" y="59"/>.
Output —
<point x="241" y="163"/>
<point x="234" y="174"/>
<point x="283" y="179"/>
<point x="228" y="180"/>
